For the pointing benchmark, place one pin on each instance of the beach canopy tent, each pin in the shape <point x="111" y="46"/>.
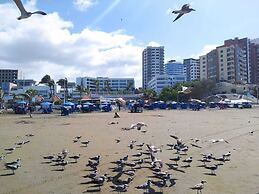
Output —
<point x="105" y="106"/>
<point x="223" y="104"/>
<point x="172" y="105"/>
<point x="241" y="103"/>
<point x="46" y="107"/>
<point x="160" y="104"/>
<point x="69" y="106"/>
<point x="196" y="104"/>
<point x="20" y="107"/>
<point x="136" y="106"/>
<point x="183" y="105"/>
<point x="212" y="104"/>
<point x="88" y="107"/>
<point x="64" y="111"/>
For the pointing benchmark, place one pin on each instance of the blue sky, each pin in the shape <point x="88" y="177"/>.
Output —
<point x="147" y="20"/>
<point x="130" y="25"/>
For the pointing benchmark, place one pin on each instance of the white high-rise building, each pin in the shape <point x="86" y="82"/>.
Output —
<point x="192" y="69"/>
<point x="152" y="63"/>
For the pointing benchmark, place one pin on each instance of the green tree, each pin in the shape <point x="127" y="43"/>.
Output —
<point x="130" y="86"/>
<point x="63" y="83"/>
<point x="202" y="89"/>
<point x="1" y="97"/>
<point x="168" y="94"/>
<point x="149" y="94"/>
<point x="49" y="82"/>
<point x="82" y="90"/>
<point x="29" y="94"/>
<point x="107" y="86"/>
<point x="97" y="86"/>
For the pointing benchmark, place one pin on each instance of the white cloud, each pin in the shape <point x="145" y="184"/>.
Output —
<point x="206" y="49"/>
<point x="152" y="43"/>
<point x="44" y="45"/>
<point x="83" y="5"/>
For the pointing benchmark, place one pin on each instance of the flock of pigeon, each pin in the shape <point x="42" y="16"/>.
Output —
<point x="25" y="14"/>
<point x="145" y="156"/>
<point x="14" y="165"/>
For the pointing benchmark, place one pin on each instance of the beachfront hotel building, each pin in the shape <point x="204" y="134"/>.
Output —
<point x="230" y="62"/>
<point x="8" y="75"/>
<point x="159" y="82"/>
<point x="174" y="72"/>
<point x="174" y="68"/>
<point x="25" y="83"/>
<point x="254" y="61"/>
<point x="192" y="69"/>
<point x="8" y="79"/>
<point x="152" y="63"/>
<point x="104" y="85"/>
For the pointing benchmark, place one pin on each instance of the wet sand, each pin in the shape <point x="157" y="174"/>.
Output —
<point x="54" y="133"/>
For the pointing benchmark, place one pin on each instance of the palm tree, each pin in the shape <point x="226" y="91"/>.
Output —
<point x="130" y="86"/>
<point x="63" y="84"/>
<point x="49" y="82"/>
<point x="107" y="86"/>
<point x="1" y="97"/>
<point x="29" y="94"/>
<point x="97" y="86"/>
<point x="149" y="94"/>
<point x="82" y="89"/>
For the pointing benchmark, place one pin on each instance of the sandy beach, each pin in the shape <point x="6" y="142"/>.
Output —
<point x="52" y="133"/>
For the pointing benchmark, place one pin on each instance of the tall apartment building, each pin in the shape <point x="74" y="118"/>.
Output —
<point x="192" y="69"/>
<point x="203" y="67"/>
<point x="174" y="68"/>
<point x="159" y="82"/>
<point x="230" y="62"/>
<point x="101" y="84"/>
<point x="239" y="53"/>
<point x="152" y="63"/>
<point x="8" y="75"/>
<point x="255" y="62"/>
<point x="212" y="65"/>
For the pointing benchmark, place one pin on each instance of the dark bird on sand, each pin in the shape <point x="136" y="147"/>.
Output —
<point x="75" y="157"/>
<point x="144" y="186"/>
<point x="175" y="159"/>
<point x="120" y="188"/>
<point x="12" y="167"/>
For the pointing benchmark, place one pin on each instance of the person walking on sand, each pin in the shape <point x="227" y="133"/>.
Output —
<point x="30" y="110"/>
<point x="119" y="105"/>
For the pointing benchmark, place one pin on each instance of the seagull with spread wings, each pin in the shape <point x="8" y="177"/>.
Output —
<point x="25" y="14"/>
<point x="184" y="10"/>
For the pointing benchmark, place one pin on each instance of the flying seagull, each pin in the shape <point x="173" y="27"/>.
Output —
<point x="184" y="10"/>
<point x="24" y="13"/>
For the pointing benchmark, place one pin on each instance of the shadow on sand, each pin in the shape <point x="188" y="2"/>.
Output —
<point x="7" y="174"/>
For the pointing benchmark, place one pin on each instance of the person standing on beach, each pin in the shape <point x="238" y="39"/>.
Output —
<point x="30" y="110"/>
<point x="119" y="105"/>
